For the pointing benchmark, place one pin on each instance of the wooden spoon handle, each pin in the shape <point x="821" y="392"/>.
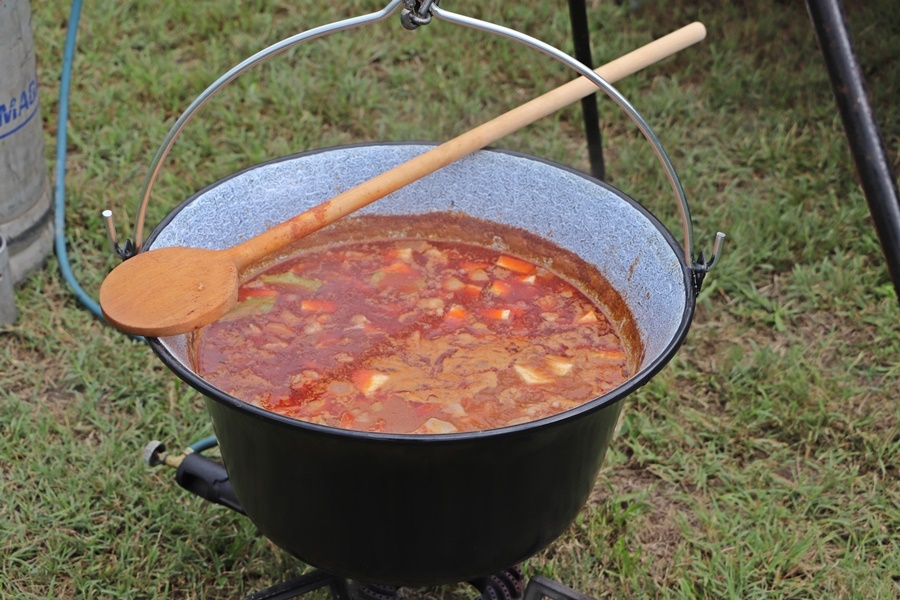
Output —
<point x="281" y="235"/>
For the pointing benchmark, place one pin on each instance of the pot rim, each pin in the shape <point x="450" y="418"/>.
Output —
<point x="618" y="393"/>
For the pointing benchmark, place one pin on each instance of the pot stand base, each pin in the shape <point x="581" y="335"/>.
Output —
<point x="208" y="479"/>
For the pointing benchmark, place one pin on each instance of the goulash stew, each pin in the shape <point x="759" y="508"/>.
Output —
<point x="412" y="336"/>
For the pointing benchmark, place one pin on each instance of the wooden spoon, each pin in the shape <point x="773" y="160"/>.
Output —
<point x="168" y="291"/>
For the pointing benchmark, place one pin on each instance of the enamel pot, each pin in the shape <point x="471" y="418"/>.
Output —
<point x="431" y="509"/>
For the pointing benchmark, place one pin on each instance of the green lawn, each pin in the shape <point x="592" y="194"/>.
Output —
<point x="761" y="463"/>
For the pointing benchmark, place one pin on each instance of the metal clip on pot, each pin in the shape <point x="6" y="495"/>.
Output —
<point x="414" y="14"/>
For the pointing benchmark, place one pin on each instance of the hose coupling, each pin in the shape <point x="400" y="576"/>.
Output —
<point x="155" y="454"/>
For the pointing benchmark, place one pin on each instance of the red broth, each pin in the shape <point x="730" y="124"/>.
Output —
<point x="412" y="336"/>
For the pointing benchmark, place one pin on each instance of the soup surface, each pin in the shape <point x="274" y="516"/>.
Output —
<point x="412" y="336"/>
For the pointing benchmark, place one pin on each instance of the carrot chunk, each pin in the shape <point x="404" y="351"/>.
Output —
<point x="472" y="266"/>
<point x="260" y="292"/>
<point x="588" y="317"/>
<point x="515" y="264"/>
<point x="318" y="305"/>
<point x="471" y="290"/>
<point x="612" y="355"/>
<point x="501" y="314"/>
<point x="456" y="312"/>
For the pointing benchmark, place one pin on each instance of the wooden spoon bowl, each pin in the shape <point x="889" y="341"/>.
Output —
<point x="170" y="291"/>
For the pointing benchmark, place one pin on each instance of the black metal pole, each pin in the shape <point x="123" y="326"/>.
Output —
<point x="863" y="134"/>
<point x="582" y="45"/>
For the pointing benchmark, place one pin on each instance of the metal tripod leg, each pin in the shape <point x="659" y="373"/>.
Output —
<point x="863" y="134"/>
<point x="582" y="44"/>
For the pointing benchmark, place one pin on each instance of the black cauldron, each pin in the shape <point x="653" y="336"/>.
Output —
<point x="431" y="509"/>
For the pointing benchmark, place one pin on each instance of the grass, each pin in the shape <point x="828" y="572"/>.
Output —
<point x="762" y="462"/>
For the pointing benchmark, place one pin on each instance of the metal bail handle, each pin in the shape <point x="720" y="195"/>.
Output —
<point x="415" y="14"/>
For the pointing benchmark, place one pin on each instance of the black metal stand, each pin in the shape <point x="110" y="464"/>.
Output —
<point x="878" y="181"/>
<point x="582" y="43"/>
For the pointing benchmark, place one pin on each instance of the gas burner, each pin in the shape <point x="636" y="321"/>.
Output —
<point x="505" y="585"/>
<point x="372" y="591"/>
